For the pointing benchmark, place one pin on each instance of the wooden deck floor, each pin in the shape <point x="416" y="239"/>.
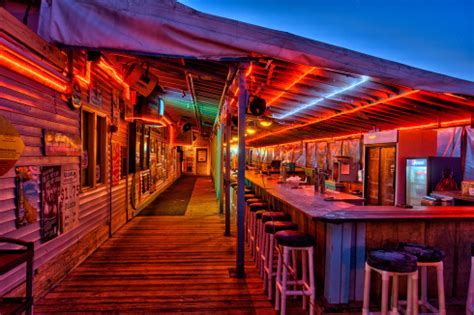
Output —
<point x="163" y="264"/>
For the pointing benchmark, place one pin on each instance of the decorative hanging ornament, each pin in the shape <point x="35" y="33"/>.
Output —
<point x="75" y="100"/>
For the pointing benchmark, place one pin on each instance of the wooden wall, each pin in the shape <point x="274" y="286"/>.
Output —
<point x="32" y="107"/>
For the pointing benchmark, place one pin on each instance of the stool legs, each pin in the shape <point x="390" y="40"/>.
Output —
<point x="395" y="295"/>
<point x="366" y="303"/>
<point x="470" y="291"/>
<point x="307" y="289"/>
<point x="385" y="284"/>
<point x="441" y="297"/>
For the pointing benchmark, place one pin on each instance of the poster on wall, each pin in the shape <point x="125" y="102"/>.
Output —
<point x="61" y="144"/>
<point x="11" y="145"/>
<point x="69" y="197"/>
<point x="116" y="163"/>
<point x="50" y="193"/>
<point x="27" y="195"/>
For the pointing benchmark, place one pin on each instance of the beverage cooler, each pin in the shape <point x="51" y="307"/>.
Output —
<point x="423" y="174"/>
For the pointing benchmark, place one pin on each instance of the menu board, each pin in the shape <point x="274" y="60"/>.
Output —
<point x="69" y="197"/>
<point x="27" y="190"/>
<point x="50" y="193"/>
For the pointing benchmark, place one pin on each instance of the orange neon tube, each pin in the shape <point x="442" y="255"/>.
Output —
<point x="337" y="115"/>
<point x="301" y="77"/>
<point x="36" y="74"/>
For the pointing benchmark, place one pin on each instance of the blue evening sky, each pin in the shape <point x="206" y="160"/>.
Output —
<point x="436" y="35"/>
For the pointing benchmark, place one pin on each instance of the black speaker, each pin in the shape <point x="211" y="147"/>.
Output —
<point x="186" y="127"/>
<point x="258" y="106"/>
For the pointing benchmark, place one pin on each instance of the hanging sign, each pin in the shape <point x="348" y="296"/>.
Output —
<point x="75" y="101"/>
<point x="116" y="163"/>
<point x="27" y="191"/>
<point x="69" y="197"/>
<point x="50" y="192"/>
<point x="61" y="144"/>
<point x="11" y="145"/>
<point x="95" y="95"/>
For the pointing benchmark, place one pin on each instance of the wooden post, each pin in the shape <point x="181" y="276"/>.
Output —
<point x="228" y="135"/>
<point x="219" y="175"/>
<point x="243" y="98"/>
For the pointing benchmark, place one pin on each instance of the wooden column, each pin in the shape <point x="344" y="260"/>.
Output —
<point x="220" y="175"/>
<point x="243" y="98"/>
<point x="228" y="136"/>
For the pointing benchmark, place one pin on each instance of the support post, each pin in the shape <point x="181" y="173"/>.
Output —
<point x="228" y="135"/>
<point x="243" y="99"/>
<point x="220" y="176"/>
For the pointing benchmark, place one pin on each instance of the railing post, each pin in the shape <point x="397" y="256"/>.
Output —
<point x="243" y="99"/>
<point x="228" y="135"/>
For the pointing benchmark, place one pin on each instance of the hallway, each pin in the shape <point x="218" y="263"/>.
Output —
<point x="158" y="264"/>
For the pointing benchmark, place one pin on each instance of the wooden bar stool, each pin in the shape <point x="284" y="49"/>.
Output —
<point x="428" y="256"/>
<point x="289" y="242"/>
<point x="268" y="251"/>
<point x="392" y="263"/>
<point x="268" y="216"/>
<point x="248" y="228"/>
<point x="470" y="292"/>
<point x="253" y="208"/>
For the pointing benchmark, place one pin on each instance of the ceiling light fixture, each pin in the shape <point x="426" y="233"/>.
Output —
<point x="301" y="77"/>
<point x="319" y="100"/>
<point x="265" y="123"/>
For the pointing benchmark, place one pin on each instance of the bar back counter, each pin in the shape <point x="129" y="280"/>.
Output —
<point x="345" y="230"/>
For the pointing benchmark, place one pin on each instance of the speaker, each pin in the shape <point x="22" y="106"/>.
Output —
<point x="136" y="78"/>
<point x="186" y="127"/>
<point x="258" y="106"/>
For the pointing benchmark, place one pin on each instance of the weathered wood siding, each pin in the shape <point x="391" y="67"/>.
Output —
<point x="32" y="107"/>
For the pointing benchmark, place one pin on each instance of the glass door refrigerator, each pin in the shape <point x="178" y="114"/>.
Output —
<point x="423" y="174"/>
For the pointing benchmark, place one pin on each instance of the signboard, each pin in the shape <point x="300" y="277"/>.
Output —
<point x="116" y="163"/>
<point x="61" y="144"/>
<point x="11" y="146"/>
<point x="50" y="192"/>
<point x="27" y="193"/>
<point x="95" y="95"/>
<point x="69" y="197"/>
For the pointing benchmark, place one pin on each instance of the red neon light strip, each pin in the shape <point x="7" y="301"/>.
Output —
<point x="301" y="77"/>
<point x="450" y="123"/>
<point x="29" y="71"/>
<point x="337" y="115"/>
<point x="86" y="79"/>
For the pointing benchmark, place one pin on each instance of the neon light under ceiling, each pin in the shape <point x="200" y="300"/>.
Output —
<point x="319" y="100"/>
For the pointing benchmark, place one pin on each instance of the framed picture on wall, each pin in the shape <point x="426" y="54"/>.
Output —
<point x="201" y="155"/>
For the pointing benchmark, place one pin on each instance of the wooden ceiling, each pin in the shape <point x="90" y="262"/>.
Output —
<point x="345" y="103"/>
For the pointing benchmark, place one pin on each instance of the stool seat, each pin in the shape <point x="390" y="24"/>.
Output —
<point x="392" y="260"/>
<point x="424" y="253"/>
<point x="277" y="226"/>
<point x="254" y="207"/>
<point x="249" y="196"/>
<point x="254" y="200"/>
<point x="275" y="216"/>
<point x="294" y="239"/>
<point x="259" y="213"/>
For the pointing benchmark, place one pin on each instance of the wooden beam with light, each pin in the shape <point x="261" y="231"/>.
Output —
<point x="347" y="112"/>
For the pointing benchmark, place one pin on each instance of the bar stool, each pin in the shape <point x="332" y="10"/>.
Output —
<point x="392" y="263"/>
<point x="287" y="243"/>
<point x="428" y="256"/>
<point x="253" y="208"/>
<point x="247" y="216"/>
<point x="268" y="251"/>
<point x="259" y="244"/>
<point x="470" y="292"/>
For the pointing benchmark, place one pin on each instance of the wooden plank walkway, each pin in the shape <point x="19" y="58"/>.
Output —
<point x="163" y="264"/>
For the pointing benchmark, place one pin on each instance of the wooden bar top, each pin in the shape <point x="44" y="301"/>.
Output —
<point x="319" y="207"/>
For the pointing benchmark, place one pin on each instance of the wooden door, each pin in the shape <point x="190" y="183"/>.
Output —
<point x="387" y="176"/>
<point x="372" y="175"/>
<point x="380" y="175"/>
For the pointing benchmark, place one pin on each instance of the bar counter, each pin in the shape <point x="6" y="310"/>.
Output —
<point x="345" y="230"/>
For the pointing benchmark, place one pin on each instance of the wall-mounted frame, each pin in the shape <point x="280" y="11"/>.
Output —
<point x="201" y="155"/>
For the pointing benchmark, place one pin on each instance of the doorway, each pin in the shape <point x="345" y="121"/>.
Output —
<point x="201" y="162"/>
<point x="380" y="164"/>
